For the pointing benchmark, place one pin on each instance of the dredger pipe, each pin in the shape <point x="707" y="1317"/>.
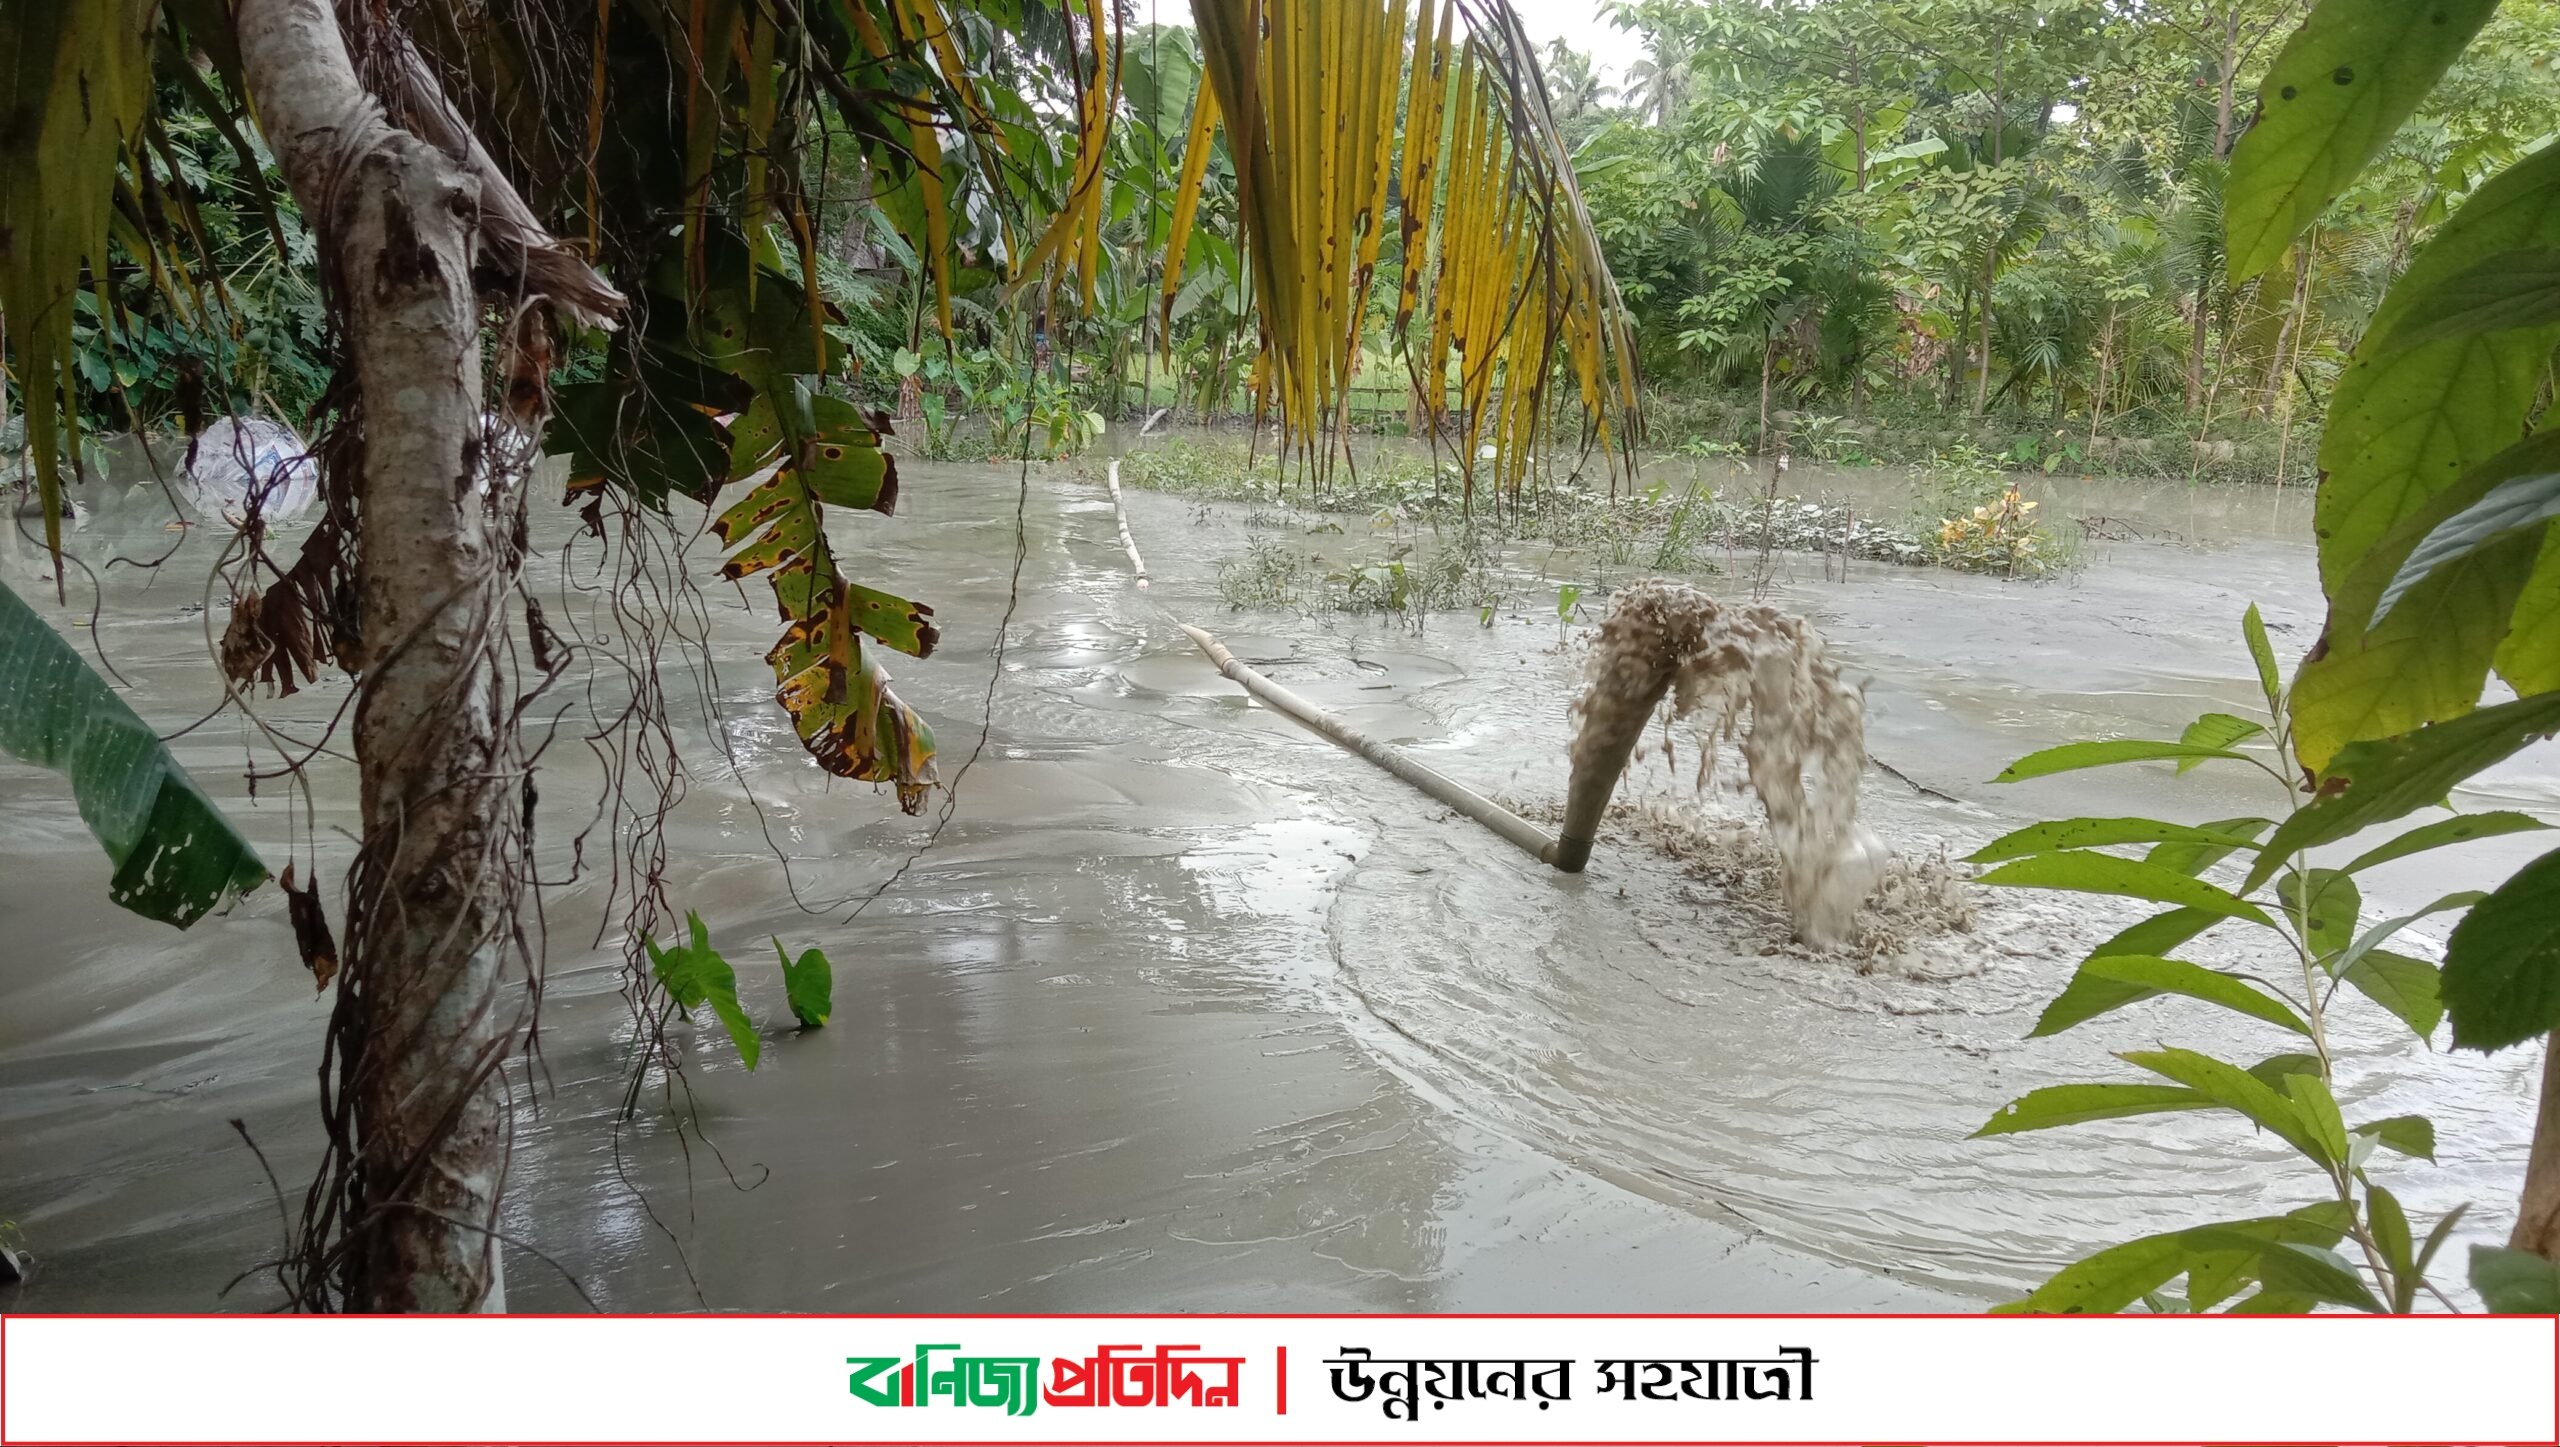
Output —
<point x="1535" y="841"/>
<point x="1137" y="565"/>
<point x="1599" y="756"/>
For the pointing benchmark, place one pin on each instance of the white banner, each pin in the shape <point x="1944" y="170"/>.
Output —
<point x="1279" y="1379"/>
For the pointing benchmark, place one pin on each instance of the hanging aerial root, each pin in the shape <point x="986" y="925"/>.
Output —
<point x="1755" y="672"/>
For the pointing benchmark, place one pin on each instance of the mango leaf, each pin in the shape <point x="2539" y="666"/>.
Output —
<point x="2190" y="856"/>
<point x="2329" y="904"/>
<point x="2273" y="1070"/>
<point x="2319" y="1111"/>
<point x="2375" y="935"/>
<point x="695" y="975"/>
<point x="2377" y="781"/>
<point x="2110" y="982"/>
<point x="2411" y="989"/>
<point x="2441" y="1234"/>
<point x="175" y="855"/>
<point x="2100" y="753"/>
<point x="2229" y="1085"/>
<point x="2299" y="1272"/>
<point x="2117" y="1277"/>
<point x="2217" y="731"/>
<point x="2511" y="289"/>
<point x="2253" y="627"/>
<point x="2515" y="1283"/>
<point x="2058" y="834"/>
<point x="834" y="688"/>
<point x="2460" y="829"/>
<point x="2506" y="511"/>
<point x="2160" y="933"/>
<point x="2092" y="873"/>
<point x="2389" y="1227"/>
<point x="2336" y="94"/>
<point x="2502" y="966"/>
<point x="2410" y="1135"/>
<point x="2408" y="421"/>
<point x="2057" y="1105"/>
<point x="809" y="984"/>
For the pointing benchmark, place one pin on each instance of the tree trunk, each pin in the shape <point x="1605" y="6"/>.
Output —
<point x="1768" y="366"/>
<point x="2098" y="394"/>
<point x="1982" y="384"/>
<point x="2222" y="117"/>
<point x="2538" y="1214"/>
<point x="426" y="1014"/>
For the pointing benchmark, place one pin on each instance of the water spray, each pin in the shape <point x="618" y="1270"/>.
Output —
<point x="1748" y="671"/>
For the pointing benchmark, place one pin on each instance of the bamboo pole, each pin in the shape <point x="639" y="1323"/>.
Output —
<point x="1536" y="842"/>
<point x="1137" y="565"/>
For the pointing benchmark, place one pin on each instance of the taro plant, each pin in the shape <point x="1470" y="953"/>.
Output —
<point x="2353" y="1245"/>
<point x="695" y="975"/>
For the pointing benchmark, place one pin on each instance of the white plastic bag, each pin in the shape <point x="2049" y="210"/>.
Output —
<point x="235" y="456"/>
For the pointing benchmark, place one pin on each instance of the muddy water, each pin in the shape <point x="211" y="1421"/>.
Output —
<point x="1188" y="1009"/>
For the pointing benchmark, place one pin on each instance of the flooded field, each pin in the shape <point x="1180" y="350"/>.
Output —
<point x="1187" y="1009"/>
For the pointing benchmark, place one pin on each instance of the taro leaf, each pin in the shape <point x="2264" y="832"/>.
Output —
<point x="2410" y="1135"/>
<point x="2379" y="780"/>
<point x="2510" y="508"/>
<point x="2190" y="856"/>
<point x="2512" y="289"/>
<point x="2515" y="1283"/>
<point x="2217" y="731"/>
<point x="695" y="975"/>
<point x="2410" y="989"/>
<point x="2460" y="829"/>
<point x="2057" y="1105"/>
<point x="2058" y="834"/>
<point x="2334" y="97"/>
<point x="2502" y="966"/>
<point x="175" y="855"/>
<point x="2229" y="1085"/>
<point x="2119" y="1276"/>
<point x="834" y="688"/>
<point x="809" y="983"/>
<point x="2103" y="752"/>
<point x="2093" y="873"/>
<point x="2110" y="982"/>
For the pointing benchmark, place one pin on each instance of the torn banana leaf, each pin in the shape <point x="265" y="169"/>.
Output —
<point x="175" y="855"/>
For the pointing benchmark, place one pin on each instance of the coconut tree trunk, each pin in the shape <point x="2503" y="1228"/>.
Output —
<point x="2538" y="1214"/>
<point x="426" y="1011"/>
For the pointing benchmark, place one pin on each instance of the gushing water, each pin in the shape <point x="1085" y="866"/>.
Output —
<point x="1762" y="674"/>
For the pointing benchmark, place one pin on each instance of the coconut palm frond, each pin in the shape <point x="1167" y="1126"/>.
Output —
<point x="1502" y="288"/>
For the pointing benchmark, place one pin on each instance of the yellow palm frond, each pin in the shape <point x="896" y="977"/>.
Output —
<point x="1499" y="260"/>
